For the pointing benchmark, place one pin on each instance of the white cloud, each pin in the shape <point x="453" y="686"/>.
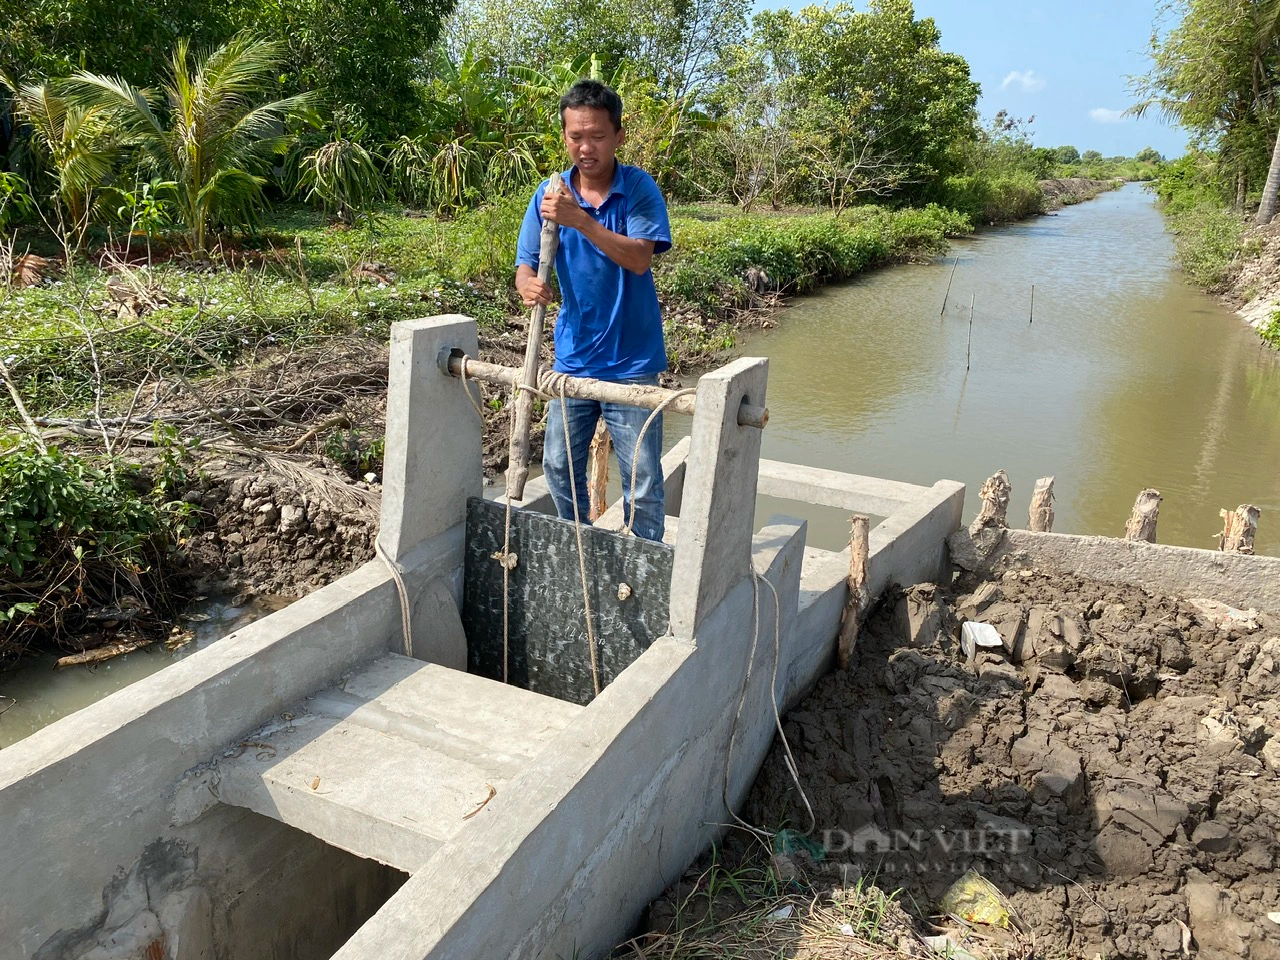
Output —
<point x="1107" y="115"/>
<point x="1026" y="79"/>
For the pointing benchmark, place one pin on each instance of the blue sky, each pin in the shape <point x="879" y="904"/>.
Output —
<point x="1067" y="65"/>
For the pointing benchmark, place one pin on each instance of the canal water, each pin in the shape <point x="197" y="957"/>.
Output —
<point x="37" y="695"/>
<point x="1125" y="377"/>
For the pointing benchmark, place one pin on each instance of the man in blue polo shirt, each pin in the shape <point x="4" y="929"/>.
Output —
<point x="612" y="222"/>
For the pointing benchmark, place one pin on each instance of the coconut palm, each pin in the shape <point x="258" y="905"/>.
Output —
<point x="206" y="129"/>
<point x="73" y="141"/>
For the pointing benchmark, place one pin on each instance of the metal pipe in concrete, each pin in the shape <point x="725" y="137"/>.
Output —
<point x="636" y="395"/>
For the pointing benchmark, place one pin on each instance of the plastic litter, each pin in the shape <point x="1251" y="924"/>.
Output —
<point x="790" y="842"/>
<point x="975" y="899"/>
<point x="974" y="635"/>
<point x="782" y="913"/>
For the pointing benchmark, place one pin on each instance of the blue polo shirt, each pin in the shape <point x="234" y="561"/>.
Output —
<point x="609" y="326"/>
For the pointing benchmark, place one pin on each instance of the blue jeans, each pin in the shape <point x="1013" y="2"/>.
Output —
<point x="624" y="424"/>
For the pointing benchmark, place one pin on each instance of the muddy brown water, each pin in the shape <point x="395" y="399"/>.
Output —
<point x="1127" y="378"/>
<point x="36" y="695"/>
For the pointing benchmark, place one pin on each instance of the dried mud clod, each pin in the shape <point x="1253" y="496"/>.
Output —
<point x="1112" y="766"/>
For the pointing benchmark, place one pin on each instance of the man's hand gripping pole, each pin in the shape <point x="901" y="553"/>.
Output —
<point x="518" y="456"/>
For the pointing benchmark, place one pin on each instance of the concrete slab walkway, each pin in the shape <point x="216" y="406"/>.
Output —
<point x="388" y="763"/>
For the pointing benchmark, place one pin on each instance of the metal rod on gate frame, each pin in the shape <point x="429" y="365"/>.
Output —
<point x="636" y="395"/>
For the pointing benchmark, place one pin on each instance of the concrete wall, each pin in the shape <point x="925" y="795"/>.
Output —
<point x="1177" y="571"/>
<point x="908" y="547"/>
<point x="231" y="885"/>
<point x="112" y="848"/>
<point x="562" y="863"/>
<point x="83" y="799"/>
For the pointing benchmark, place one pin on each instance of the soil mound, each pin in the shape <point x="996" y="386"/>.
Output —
<point x="1111" y="762"/>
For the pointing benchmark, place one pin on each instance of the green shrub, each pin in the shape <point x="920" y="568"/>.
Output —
<point x="356" y="452"/>
<point x="988" y="198"/>
<point x="343" y="178"/>
<point x="1270" y="331"/>
<point x="709" y="264"/>
<point x="16" y="204"/>
<point x="73" y="537"/>
<point x="1207" y="239"/>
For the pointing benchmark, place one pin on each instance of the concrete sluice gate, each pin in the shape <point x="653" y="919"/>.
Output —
<point x="312" y="786"/>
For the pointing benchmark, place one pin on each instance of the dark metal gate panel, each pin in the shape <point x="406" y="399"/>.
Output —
<point x="548" y="650"/>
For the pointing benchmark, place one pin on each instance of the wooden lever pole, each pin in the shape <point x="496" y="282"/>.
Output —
<point x="518" y="454"/>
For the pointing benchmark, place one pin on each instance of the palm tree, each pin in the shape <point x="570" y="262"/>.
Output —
<point x="1214" y="74"/>
<point x="73" y="141"/>
<point x="206" y="128"/>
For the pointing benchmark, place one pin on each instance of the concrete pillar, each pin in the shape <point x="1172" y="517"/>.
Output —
<point x="432" y="462"/>
<point x="713" y="541"/>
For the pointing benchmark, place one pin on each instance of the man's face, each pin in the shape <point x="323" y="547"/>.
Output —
<point x="591" y="139"/>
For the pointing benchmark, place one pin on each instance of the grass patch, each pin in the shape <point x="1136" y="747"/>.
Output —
<point x="749" y="912"/>
<point x="300" y="280"/>
<point x="1208" y="239"/>
<point x="993" y="199"/>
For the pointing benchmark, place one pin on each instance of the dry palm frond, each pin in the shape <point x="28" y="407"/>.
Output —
<point x="29" y="269"/>
<point x="329" y="490"/>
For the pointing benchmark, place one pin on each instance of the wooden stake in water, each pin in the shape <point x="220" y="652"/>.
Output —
<point x="1142" y="522"/>
<point x="1239" y="528"/>
<point x="943" y="311"/>
<point x="1041" y="513"/>
<point x="969" y="346"/>
<point x="1033" y="306"/>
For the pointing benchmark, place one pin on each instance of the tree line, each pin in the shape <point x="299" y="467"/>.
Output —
<point x="172" y="113"/>
<point x="1215" y="68"/>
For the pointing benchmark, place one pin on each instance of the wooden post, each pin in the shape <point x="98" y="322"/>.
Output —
<point x="598" y="471"/>
<point x="1032" y="318"/>
<point x="968" y="346"/>
<point x="859" y="547"/>
<point x="522" y="416"/>
<point x="995" y="503"/>
<point x="1238" y="528"/>
<point x="1142" y="522"/>
<point x="943" y="311"/>
<point x="1042" y="506"/>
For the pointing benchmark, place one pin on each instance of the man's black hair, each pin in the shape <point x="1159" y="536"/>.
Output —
<point x="593" y="93"/>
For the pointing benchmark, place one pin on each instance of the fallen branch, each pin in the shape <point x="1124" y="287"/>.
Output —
<point x="22" y="409"/>
<point x="107" y="651"/>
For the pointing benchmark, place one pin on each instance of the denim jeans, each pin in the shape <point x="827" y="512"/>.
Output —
<point x="624" y="424"/>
